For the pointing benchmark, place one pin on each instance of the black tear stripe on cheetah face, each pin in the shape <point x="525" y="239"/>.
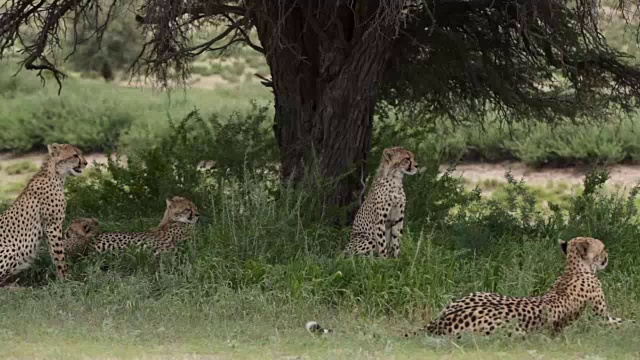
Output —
<point x="39" y="211"/>
<point x="573" y="291"/>
<point x="176" y="226"/>
<point x="378" y="225"/>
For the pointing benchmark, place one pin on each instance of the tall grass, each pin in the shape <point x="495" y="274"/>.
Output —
<point x="96" y="116"/>
<point x="258" y="268"/>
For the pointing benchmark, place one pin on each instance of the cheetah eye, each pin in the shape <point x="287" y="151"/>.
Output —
<point x="76" y="155"/>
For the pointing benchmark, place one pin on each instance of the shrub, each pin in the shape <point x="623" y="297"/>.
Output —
<point x="172" y="166"/>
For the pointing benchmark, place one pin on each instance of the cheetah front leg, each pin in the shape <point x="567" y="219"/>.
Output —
<point x="381" y="232"/>
<point x="599" y="306"/>
<point x="53" y="232"/>
<point x="396" y="230"/>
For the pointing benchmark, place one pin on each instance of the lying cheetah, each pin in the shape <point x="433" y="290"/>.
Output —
<point x="484" y="313"/>
<point x="39" y="211"/>
<point x="378" y="223"/>
<point x="175" y="227"/>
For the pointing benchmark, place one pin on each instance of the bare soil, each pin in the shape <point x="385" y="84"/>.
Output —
<point x="620" y="175"/>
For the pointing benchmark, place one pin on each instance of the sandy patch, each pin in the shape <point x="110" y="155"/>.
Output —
<point x="621" y="175"/>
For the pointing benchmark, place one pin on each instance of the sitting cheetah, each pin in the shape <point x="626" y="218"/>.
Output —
<point x="39" y="211"/>
<point x="378" y="223"/>
<point x="484" y="313"/>
<point x="174" y="228"/>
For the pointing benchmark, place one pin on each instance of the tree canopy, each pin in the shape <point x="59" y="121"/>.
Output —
<point x="517" y="59"/>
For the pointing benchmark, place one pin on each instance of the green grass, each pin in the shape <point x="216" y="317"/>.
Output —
<point x="263" y="262"/>
<point x="148" y="329"/>
<point x="21" y="167"/>
<point x="96" y="115"/>
<point x="195" y="304"/>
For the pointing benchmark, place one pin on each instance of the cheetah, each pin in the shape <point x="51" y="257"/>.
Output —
<point x="483" y="313"/>
<point x="39" y="211"/>
<point x="175" y="227"/>
<point x="378" y="224"/>
<point x="79" y="234"/>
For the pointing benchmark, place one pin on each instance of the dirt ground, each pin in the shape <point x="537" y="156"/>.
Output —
<point x="620" y="175"/>
<point x="7" y="159"/>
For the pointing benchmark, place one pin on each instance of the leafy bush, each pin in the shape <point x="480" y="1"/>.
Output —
<point x="173" y="166"/>
<point x="92" y="124"/>
<point x="98" y="116"/>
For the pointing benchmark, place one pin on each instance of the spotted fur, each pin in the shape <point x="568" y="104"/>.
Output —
<point x="39" y="211"/>
<point x="175" y="227"/>
<point x="573" y="291"/>
<point x="377" y="227"/>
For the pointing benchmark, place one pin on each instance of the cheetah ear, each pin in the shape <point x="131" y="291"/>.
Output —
<point x="563" y="246"/>
<point x="53" y="149"/>
<point x="582" y="248"/>
<point x="169" y="201"/>
<point x="387" y="153"/>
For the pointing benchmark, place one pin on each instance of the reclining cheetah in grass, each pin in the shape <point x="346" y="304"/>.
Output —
<point x="484" y="313"/>
<point x="39" y="211"/>
<point x="378" y="224"/>
<point x="175" y="227"/>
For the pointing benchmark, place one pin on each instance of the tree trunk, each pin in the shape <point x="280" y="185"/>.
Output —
<point x="325" y="63"/>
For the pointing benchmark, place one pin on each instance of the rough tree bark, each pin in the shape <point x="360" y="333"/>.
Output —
<point x="326" y="58"/>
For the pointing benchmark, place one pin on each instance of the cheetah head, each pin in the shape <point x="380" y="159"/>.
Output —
<point x="68" y="159"/>
<point x="181" y="210"/>
<point x="83" y="228"/>
<point x="398" y="159"/>
<point x="587" y="252"/>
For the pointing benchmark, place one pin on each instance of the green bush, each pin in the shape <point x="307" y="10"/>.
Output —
<point x="535" y="144"/>
<point x="241" y="144"/>
<point x="84" y="120"/>
<point x="98" y="116"/>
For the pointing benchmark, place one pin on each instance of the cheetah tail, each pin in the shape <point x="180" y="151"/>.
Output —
<point x="416" y="332"/>
<point x="315" y="328"/>
<point x="430" y="328"/>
